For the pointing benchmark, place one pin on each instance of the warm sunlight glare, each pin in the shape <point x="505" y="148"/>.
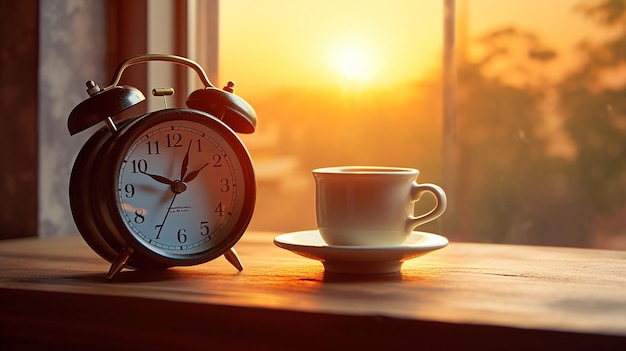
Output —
<point x="267" y="46"/>
<point x="352" y="64"/>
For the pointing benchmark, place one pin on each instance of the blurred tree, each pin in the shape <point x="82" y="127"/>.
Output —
<point x="593" y="99"/>
<point x="511" y="189"/>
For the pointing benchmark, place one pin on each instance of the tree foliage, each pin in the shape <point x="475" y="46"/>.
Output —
<point x="513" y="188"/>
<point x="593" y="101"/>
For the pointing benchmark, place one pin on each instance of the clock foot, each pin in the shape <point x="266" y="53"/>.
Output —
<point x="233" y="258"/>
<point x="119" y="262"/>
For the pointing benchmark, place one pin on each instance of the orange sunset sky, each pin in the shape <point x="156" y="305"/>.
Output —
<point x="268" y="45"/>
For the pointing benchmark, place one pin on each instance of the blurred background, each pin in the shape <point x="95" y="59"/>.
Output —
<point x="525" y="128"/>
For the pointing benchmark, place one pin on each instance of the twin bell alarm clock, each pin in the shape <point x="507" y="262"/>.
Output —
<point x="173" y="187"/>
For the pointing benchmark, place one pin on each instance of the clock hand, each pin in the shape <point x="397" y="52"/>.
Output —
<point x="165" y="218"/>
<point x="191" y="176"/>
<point x="183" y="168"/>
<point x="159" y="178"/>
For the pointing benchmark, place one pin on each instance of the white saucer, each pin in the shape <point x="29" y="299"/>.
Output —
<point x="360" y="259"/>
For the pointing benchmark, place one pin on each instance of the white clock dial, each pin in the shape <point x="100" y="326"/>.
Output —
<point x="179" y="184"/>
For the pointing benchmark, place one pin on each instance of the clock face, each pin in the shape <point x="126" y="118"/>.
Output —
<point x="181" y="188"/>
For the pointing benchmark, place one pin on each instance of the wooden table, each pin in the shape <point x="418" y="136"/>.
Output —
<point x="53" y="294"/>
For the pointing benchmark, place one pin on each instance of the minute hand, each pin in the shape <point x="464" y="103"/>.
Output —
<point x="192" y="175"/>
<point x="183" y="167"/>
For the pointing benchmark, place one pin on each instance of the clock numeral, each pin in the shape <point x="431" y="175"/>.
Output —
<point x="225" y="185"/>
<point x="204" y="228"/>
<point x="139" y="166"/>
<point x="199" y="145"/>
<point x="182" y="236"/>
<point x="174" y="140"/>
<point x="217" y="158"/>
<point x="130" y="190"/>
<point x="219" y="209"/>
<point x="139" y="218"/>
<point x="153" y="150"/>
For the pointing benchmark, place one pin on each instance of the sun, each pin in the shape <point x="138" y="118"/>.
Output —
<point x="352" y="64"/>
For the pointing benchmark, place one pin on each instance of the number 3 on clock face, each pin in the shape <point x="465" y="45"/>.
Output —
<point x="181" y="188"/>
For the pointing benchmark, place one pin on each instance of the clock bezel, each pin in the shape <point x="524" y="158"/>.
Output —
<point x="128" y="136"/>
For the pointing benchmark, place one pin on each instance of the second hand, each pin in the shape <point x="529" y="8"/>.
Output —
<point x="166" y="214"/>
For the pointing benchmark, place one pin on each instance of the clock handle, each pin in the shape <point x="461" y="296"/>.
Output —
<point x="233" y="258"/>
<point x="159" y="57"/>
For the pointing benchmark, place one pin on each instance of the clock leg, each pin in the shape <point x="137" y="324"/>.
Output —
<point x="233" y="258"/>
<point x="119" y="262"/>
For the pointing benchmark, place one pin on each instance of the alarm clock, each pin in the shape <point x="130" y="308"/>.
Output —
<point x="173" y="187"/>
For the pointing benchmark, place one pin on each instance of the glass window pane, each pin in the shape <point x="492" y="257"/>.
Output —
<point x="540" y="125"/>
<point x="333" y="83"/>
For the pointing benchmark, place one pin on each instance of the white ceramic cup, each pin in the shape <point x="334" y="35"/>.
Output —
<point x="370" y="205"/>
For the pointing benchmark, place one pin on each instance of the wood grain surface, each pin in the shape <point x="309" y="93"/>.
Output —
<point x="53" y="293"/>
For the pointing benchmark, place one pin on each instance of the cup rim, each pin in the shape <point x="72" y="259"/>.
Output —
<point x="365" y="170"/>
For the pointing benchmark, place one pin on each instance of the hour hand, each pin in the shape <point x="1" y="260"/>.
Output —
<point x="191" y="176"/>
<point x="159" y="178"/>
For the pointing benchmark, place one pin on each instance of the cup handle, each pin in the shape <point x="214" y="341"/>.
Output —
<point x="416" y="193"/>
